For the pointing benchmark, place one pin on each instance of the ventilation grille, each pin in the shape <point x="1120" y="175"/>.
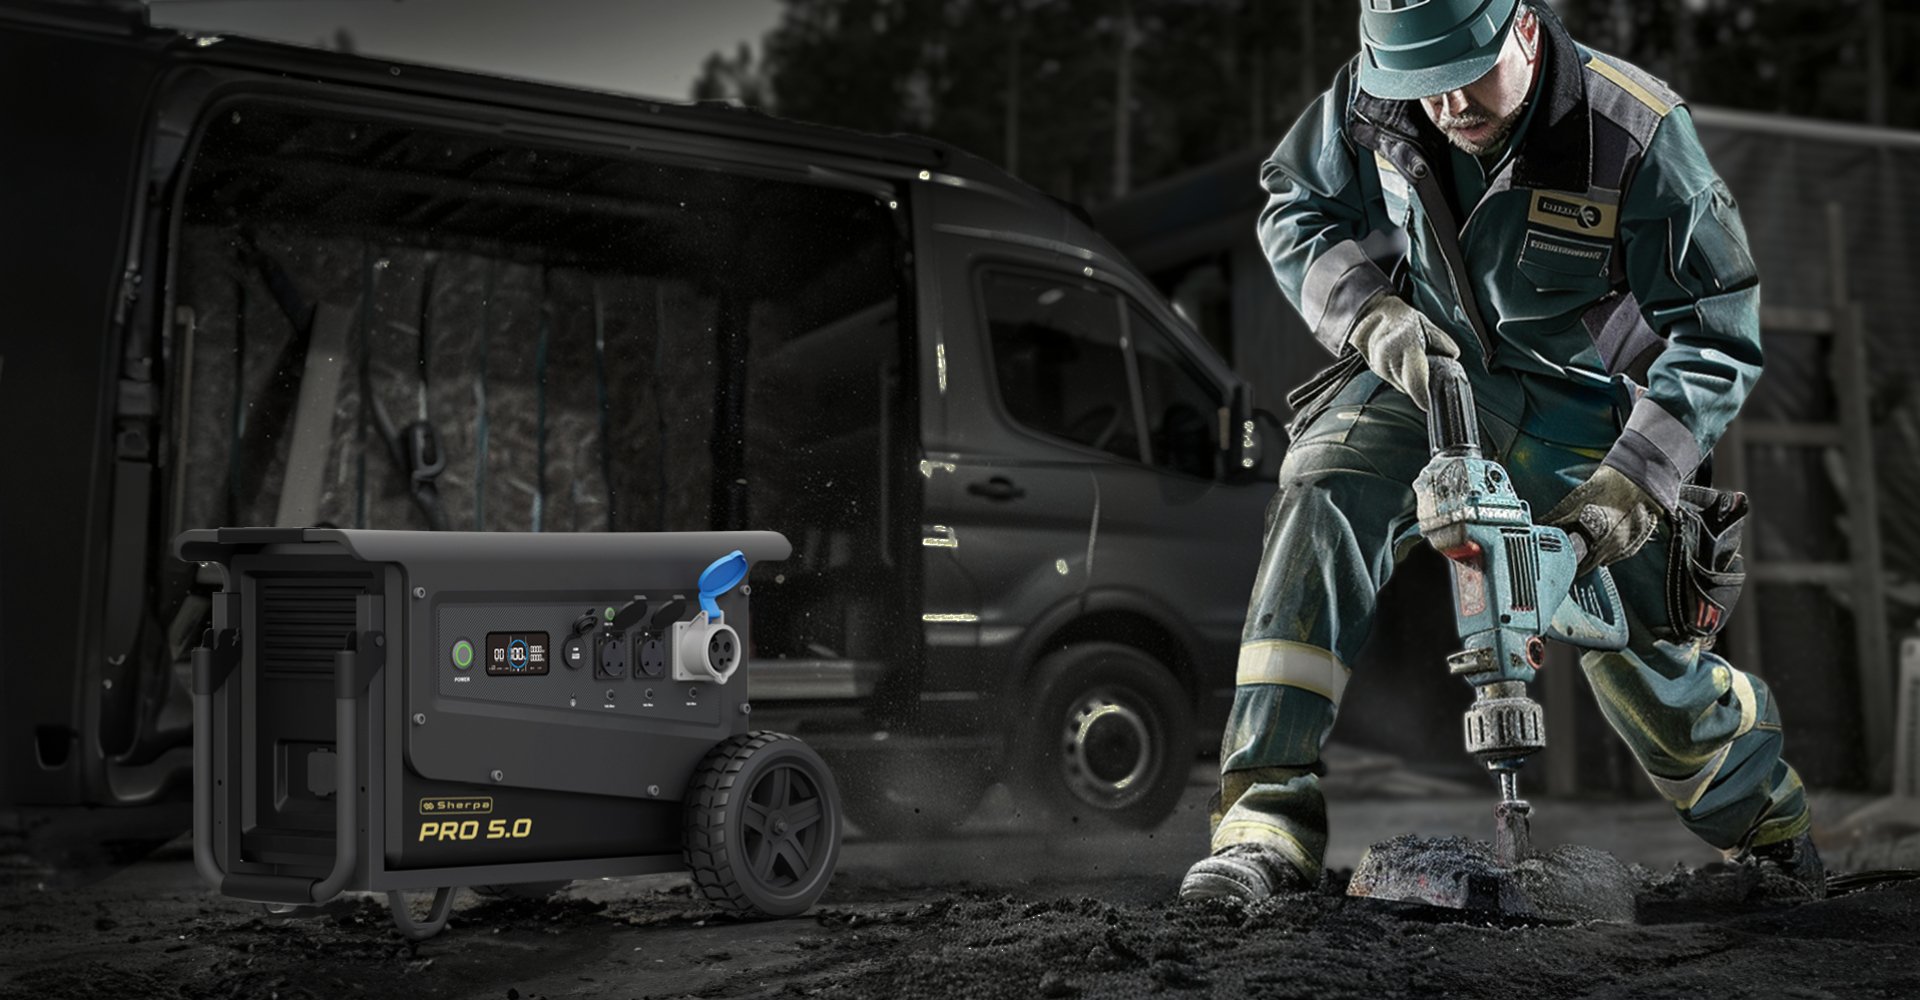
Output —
<point x="1523" y="570"/>
<point x="1590" y="601"/>
<point x="303" y="622"/>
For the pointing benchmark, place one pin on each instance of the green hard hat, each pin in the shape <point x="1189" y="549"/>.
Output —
<point x="1418" y="48"/>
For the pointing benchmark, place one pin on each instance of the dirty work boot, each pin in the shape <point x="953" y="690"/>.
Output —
<point x="1246" y="872"/>
<point x="1795" y="860"/>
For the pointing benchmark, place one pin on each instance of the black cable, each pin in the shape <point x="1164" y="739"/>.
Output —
<point x="600" y="376"/>
<point x="236" y="422"/>
<point x="422" y="349"/>
<point x="368" y="280"/>
<point x="540" y="404"/>
<point x="425" y="454"/>
<point x="660" y="407"/>
<point x="1846" y="882"/>
<point x="480" y="405"/>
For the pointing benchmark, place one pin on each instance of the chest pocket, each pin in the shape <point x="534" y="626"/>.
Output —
<point x="1394" y="191"/>
<point x="1554" y="262"/>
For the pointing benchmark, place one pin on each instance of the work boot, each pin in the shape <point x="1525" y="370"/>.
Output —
<point x="1795" y="860"/>
<point x="1247" y="872"/>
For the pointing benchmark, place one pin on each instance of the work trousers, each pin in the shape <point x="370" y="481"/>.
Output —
<point x="1706" y="733"/>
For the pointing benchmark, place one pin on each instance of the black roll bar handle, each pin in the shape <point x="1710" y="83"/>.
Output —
<point x="354" y="668"/>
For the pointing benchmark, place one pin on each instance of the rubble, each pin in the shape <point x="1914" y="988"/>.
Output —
<point x="880" y="936"/>
<point x="1570" y="882"/>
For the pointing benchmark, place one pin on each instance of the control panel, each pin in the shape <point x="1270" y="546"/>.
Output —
<point x="660" y="657"/>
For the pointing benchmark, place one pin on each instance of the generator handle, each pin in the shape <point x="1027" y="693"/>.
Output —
<point x="213" y="664"/>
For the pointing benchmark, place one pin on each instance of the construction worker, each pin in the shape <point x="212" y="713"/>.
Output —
<point x="1566" y="239"/>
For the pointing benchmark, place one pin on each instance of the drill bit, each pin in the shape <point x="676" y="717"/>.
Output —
<point x="1512" y="832"/>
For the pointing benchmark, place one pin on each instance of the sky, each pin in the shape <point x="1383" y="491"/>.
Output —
<point x="648" y="47"/>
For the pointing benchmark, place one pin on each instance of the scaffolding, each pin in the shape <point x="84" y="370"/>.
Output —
<point x="1849" y="434"/>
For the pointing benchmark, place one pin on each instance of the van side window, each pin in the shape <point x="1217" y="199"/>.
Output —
<point x="1058" y="360"/>
<point x="1183" y="409"/>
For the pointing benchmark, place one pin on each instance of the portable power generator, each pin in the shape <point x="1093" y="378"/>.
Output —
<point x="408" y="710"/>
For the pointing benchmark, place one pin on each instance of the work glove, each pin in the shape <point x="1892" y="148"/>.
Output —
<point x="1612" y="511"/>
<point x="1395" y="339"/>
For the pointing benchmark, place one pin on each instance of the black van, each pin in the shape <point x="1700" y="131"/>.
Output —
<point x="255" y="284"/>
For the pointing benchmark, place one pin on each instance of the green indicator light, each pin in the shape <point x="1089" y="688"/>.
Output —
<point x="463" y="654"/>
<point x="608" y="613"/>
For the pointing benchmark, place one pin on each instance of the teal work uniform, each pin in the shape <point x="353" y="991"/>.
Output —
<point x="1597" y="280"/>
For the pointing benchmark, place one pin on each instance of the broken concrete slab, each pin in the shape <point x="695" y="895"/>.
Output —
<point x="1568" y="883"/>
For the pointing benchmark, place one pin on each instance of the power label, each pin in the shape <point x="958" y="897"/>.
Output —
<point x="475" y="829"/>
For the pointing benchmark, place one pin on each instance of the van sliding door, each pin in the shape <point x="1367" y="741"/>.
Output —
<point x="1035" y="396"/>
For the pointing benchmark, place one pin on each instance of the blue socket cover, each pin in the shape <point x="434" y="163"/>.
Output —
<point x="724" y="575"/>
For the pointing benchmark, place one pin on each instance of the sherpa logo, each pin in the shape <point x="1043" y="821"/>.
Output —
<point x="1574" y="215"/>
<point x="470" y="806"/>
<point x="1588" y="216"/>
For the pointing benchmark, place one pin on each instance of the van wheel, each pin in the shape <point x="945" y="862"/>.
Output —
<point x="1108" y="739"/>
<point x="762" y="825"/>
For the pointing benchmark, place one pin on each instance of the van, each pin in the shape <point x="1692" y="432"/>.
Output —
<point x="256" y="284"/>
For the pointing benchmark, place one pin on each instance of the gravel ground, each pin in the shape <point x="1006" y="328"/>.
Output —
<point x="997" y="913"/>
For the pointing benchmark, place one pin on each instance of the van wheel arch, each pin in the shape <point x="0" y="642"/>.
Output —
<point x="1117" y="625"/>
<point x="1104" y="739"/>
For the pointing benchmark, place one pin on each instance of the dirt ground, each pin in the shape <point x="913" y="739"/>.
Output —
<point x="998" y="912"/>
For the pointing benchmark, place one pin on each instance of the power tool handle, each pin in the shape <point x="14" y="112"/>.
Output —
<point x="1579" y="541"/>
<point x="1453" y="427"/>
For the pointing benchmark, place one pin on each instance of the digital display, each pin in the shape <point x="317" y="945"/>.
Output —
<point x="516" y="654"/>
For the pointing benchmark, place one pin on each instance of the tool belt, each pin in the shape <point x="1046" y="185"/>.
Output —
<point x="1705" y="570"/>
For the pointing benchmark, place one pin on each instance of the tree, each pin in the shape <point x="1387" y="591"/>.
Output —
<point x="1033" y="84"/>
<point x="1813" y="58"/>
<point x="734" y="79"/>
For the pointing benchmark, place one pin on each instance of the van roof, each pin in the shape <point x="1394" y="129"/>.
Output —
<point x="128" y="19"/>
<point x="711" y="117"/>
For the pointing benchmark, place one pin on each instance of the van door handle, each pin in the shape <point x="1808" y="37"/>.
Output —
<point x="997" y="488"/>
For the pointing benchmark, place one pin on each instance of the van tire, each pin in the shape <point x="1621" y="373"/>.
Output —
<point x="1104" y="739"/>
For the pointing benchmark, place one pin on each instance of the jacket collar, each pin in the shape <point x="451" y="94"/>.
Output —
<point x="1556" y="150"/>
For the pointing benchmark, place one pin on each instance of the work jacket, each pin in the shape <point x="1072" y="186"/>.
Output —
<point x="1603" y="268"/>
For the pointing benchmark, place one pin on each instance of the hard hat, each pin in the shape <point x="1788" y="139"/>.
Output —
<point x="1418" y="48"/>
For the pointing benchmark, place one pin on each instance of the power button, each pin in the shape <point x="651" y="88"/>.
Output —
<point x="462" y="655"/>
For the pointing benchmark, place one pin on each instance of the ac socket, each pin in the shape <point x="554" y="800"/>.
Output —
<point x="704" y="650"/>
<point x="610" y="658"/>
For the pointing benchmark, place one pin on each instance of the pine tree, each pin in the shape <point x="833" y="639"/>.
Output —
<point x="1032" y="83"/>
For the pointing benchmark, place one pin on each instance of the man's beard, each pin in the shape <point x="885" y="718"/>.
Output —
<point x="1455" y="127"/>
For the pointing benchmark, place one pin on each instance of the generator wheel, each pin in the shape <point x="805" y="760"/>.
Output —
<point x="762" y="825"/>
<point x="1107" y="740"/>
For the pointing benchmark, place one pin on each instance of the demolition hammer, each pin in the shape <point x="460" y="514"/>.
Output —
<point x="1513" y="587"/>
